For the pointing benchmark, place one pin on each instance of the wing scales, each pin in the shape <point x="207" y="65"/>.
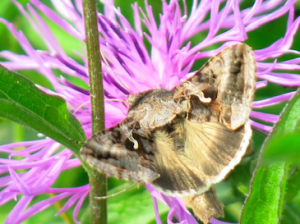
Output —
<point x="214" y="149"/>
<point x="177" y="175"/>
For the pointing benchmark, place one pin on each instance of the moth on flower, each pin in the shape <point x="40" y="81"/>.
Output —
<point x="185" y="140"/>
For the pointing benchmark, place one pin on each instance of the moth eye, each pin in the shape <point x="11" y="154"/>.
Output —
<point x="129" y="144"/>
<point x="169" y="128"/>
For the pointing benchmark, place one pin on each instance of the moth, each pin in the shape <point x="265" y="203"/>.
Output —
<point x="185" y="140"/>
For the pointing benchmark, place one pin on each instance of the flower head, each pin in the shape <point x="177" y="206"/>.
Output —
<point x="129" y="66"/>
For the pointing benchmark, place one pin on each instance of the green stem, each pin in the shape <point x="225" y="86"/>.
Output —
<point x="98" y="182"/>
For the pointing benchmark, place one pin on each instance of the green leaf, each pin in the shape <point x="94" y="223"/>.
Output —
<point x="284" y="147"/>
<point x="293" y="184"/>
<point x="269" y="183"/>
<point x="264" y="203"/>
<point x="134" y="206"/>
<point x="22" y="102"/>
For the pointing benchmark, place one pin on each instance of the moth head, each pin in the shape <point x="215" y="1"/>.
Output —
<point x="131" y="98"/>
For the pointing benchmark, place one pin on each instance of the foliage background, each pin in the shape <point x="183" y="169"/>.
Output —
<point x="125" y="206"/>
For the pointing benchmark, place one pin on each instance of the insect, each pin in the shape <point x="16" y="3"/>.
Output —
<point x="185" y="140"/>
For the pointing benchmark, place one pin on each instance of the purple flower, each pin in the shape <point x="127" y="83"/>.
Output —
<point x="130" y="68"/>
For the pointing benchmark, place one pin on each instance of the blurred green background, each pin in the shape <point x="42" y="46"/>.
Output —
<point x="124" y="207"/>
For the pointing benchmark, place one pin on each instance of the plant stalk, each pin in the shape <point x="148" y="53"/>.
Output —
<point x="98" y="181"/>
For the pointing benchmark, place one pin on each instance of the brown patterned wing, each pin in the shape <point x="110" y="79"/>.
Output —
<point x="229" y="79"/>
<point x="157" y="159"/>
<point x="217" y="134"/>
<point x="177" y="175"/>
<point x="214" y="149"/>
<point x="205" y="205"/>
<point x="194" y="156"/>
<point x="233" y="72"/>
<point x="112" y="152"/>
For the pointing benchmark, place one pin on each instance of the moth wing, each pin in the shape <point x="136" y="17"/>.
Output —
<point x="177" y="175"/>
<point x="108" y="152"/>
<point x="229" y="78"/>
<point x="214" y="149"/>
<point x="205" y="205"/>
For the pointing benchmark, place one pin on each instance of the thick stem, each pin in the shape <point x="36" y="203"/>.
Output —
<point x="98" y="182"/>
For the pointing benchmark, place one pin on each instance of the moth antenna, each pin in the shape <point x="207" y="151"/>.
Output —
<point x="77" y="142"/>
<point x="117" y="100"/>
<point x="115" y="194"/>
<point x="81" y="105"/>
<point x="106" y="62"/>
